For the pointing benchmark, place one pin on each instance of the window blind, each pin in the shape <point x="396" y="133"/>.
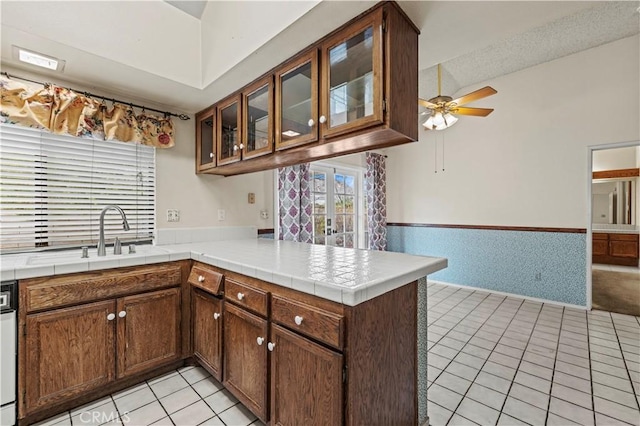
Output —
<point x="53" y="188"/>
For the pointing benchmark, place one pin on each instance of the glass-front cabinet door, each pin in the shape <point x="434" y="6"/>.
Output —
<point x="257" y="117"/>
<point x="297" y="102"/>
<point x="205" y="140"/>
<point x="352" y="70"/>
<point x="229" y="132"/>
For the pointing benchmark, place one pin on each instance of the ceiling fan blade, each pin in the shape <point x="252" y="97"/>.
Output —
<point x="474" y="96"/>
<point x="426" y="104"/>
<point x="478" y="112"/>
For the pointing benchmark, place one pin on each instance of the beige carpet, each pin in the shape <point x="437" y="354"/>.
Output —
<point x="616" y="291"/>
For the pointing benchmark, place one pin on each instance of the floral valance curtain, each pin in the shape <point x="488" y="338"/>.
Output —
<point x="64" y="111"/>
<point x="294" y="196"/>
<point x="376" y="193"/>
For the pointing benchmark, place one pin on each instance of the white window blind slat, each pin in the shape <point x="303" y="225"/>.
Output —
<point x="53" y="188"/>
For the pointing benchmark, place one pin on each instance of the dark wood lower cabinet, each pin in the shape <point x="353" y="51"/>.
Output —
<point x="148" y="331"/>
<point x="245" y="358"/>
<point x="207" y="331"/>
<point x="306" y="381"/>
<point x="615" y="248"/>
<point x="68" y="352"/>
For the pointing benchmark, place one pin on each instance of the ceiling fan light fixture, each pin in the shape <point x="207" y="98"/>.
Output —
<point x="439" y="121"/>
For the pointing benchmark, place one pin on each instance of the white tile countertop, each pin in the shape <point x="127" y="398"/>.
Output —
<point x="348" y="276"/>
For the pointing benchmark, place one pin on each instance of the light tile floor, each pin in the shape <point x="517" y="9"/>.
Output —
<point x="492" y="360"/>
<point x="187" y="396"/>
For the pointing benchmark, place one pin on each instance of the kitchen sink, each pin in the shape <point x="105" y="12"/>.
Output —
<point x="73" y="256"/>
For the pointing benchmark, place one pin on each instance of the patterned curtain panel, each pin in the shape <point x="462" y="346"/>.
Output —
<point x="294" y="195"/>
<point x="64" y="111"/>
<point x="376" y="193"/>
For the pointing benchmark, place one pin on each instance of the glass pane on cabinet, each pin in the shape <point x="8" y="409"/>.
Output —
<point x="296" y="102"/>
<point x="229" y="128"/>
<point x="206" y="140"/>
<point x="258" y="119"/>
<point x="351" y="79"/>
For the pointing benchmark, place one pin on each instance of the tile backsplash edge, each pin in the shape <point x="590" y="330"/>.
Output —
<point x="197" y="235"/>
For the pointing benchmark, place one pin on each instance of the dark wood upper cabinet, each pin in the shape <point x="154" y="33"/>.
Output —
<point x="351" y="83"/>
<point x="257" y="119"/>
<point x="297" y="101"/>
<point x="352" y="91"/>
<point x="205" y="140"/>
<point x="229" y="130"/>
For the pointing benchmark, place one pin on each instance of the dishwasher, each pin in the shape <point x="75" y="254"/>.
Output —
<point x="8" y="351"/>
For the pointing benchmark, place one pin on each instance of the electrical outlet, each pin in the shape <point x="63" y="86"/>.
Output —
<point x="252" y="198"/>
<point x="173" y="215"/>
<point x="264" y="214"/>
<point x="221" y="214"/>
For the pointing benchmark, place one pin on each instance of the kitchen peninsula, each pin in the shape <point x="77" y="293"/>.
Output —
<point x="303" y="331"/>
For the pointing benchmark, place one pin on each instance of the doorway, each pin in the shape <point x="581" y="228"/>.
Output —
<point x="614" y="214"/>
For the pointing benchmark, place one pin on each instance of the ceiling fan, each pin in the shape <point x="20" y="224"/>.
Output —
<point x="441" y="108"/>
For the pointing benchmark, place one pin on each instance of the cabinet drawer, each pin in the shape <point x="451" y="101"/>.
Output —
<point x="325" y="326"/>
<point x="206" y="279"/>
<point x="65" y="290"/>
<point x="598" y="236"/>
<point x="249" y="297"/>
<point x="623" y="237"/>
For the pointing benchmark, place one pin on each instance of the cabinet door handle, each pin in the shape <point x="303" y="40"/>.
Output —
<point x="311" y="122"/>
<point x="122" y="314"/>
<point x="111" y="317"/>
<point x="201" y="278"/>
<point x="298" y="319"/>
<point x="240" y="296"/>
<point x="322" y="119"/>
<point x="241" y="146"/>
<point x="260" y="340"/>
<point x="216" y="316"/>
<point x="235" y="147"/>
<point x="271" y="346"/>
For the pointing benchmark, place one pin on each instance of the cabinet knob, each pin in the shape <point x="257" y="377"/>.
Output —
<point x="240" y="296"/>
<point x="216" y="315"/>
<point x="211" y="155"/>
<point x="122" y="314"/>
<point x="241" y="146"/>
<point x="271" y="346"/>
<point x="235" y="147"/>
<point x="200" y="278"/>
<point x="260" y="340"/>
<point x="298" y="319"/>
<point x="311" y="122"/>
<point x="111" y="317"/>
<point x="322" y="119"/>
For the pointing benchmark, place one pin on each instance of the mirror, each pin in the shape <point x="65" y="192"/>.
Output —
<point x="613" y="201"/>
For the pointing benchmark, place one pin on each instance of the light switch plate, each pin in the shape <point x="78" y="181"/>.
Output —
<point x="221" y="214"/>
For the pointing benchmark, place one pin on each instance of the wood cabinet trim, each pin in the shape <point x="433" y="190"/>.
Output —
<point x="73" y="289"/>
<point x="212" y="282"/>
<point x="248" y="91"/>
<point x="208" y="331"/>
<point x="220" y="106"/>
<point x="254" y="299"/>
<point x="310" y="56"/>
<point x="374" y="20"/>
<point x="619" y="173"/>
<point x="201" y="116"/>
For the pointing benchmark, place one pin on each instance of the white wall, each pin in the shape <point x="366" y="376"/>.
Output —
<point x="526" y="163"/>
<point x="614" y="159"/>
<point x="198" y="197"/>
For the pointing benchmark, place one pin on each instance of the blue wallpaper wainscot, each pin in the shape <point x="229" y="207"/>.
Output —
<point x="502" y="260"/>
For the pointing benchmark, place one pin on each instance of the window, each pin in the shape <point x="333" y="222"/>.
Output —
<point x="338" y="210"/>
<point x="53" y="188"/>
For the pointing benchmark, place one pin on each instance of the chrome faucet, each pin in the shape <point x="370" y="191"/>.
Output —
<point x="102" y="251"/>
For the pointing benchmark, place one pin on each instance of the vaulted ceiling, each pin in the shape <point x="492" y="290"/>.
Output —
<point x="188" y="54"/>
